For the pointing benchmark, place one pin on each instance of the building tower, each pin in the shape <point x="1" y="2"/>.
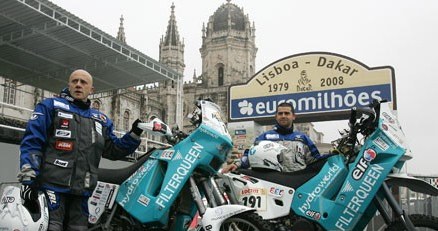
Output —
<point x="228" y="54"/>
<point x="121" y="32"/>
<point x="172" y="55"/>
<point x="228" y="48"/>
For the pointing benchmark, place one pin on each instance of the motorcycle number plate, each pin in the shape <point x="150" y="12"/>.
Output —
<point x="254" y="198"/>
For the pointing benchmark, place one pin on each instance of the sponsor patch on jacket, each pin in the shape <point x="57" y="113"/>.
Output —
<point x="98" y="127"/>
<point x="299" y="138"/>
<point x="100" y="117"/>
<point x="35" y="115"/>
<point x="64" y="145"/>
<point x="61" y="105"/>
<point x="53" y="198"/>
<point x="272" y="136"/>
<point x="62" y="133"/>
<point x="64" y="123"/>
<point x="61" y="163"/>
<point x="65" y="115"/>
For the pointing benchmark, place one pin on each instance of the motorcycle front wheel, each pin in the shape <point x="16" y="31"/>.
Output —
<point x="421" y="221"/>
<point x="245" y="221"/>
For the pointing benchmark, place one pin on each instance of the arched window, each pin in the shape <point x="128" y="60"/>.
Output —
<point x="126" y="120"/>
<point x="220" y="76"/>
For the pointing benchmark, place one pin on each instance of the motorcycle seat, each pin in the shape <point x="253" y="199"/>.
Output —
<point x="118" y="176"/>
<point x="289" y="179"/>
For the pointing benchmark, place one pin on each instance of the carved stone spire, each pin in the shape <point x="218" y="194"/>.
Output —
<point x="171" y="46"/>
<point x="121" y="33"/>
<point x="172" y="35"/>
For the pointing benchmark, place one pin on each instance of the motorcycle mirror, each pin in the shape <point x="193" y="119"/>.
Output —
<point x="156" y="127"/>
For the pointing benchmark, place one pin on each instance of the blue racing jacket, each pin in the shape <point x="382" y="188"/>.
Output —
<point x="63" y="144"/>
<point x="301" y="150"/>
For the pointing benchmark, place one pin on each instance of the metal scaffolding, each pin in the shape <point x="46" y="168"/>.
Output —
<point x="42" y="43"/>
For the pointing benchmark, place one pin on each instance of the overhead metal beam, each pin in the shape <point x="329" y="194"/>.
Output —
<point x="99" y="37"/>
<point x="30" y="70"/>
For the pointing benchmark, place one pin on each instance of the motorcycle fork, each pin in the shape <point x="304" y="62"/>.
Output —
<point x="107" y="224"/>
<point x="211" y="191"/>
<point x="398" y="212"/>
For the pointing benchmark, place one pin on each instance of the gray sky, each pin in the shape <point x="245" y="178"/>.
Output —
<point x="398" y="33"/>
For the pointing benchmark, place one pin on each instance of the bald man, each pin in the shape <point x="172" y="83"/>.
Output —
<point x="80" y="85"/>
<point x="61" y="150"/>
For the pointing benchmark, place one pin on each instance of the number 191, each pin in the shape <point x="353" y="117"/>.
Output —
<point x="252" y="201"/>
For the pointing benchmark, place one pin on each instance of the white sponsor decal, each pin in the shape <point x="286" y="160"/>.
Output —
<point x="178" y="156"/>
<point x="347" y="188"/>
<point x="183" y="169"/>
<point x="362" y="193"/>
<point x="272" y="136"/>
<point x="62" y="133"/>
<point x="276" y="192"/>
<point x="379" y="142"/>
<point x="144" y="200"/>
<point x="167" y="154"/>
<point x="61" y="163"/>
<point x="61" y="105"/>
<point x="8" y="199"/>
<point x="254" y="198"/>
<point x="65" y="115"/>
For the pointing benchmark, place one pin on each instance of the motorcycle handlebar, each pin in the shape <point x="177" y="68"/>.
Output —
<point x="352" y="120"/>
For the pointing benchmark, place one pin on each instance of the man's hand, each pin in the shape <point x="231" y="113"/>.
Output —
<point x="234" y="156"/>
<point x="135" y="129"/>
<point x="229" y="168"/>
<point x="29" y="192"/>
<point x="233" y="161"/>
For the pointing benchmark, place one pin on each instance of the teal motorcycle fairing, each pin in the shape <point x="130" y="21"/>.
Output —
<point x="151" y="191"/>
<point x="341" y="199"/>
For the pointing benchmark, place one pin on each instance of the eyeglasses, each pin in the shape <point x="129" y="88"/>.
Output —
<point x="283" y="113"/>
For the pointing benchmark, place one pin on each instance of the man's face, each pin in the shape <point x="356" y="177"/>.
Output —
<point x="80" y="85"/>
<point x="285" y="117"/>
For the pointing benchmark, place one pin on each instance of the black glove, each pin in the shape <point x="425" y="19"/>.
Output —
<point x="135" y="129"/>
<point x="29" y="192"/>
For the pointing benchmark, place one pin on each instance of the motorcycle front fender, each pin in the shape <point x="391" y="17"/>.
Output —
<point x="214" y="217"/>
<point x="414" y="184"/>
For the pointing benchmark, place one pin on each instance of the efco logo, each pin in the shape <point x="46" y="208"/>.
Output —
<point x="363" y="163"/>
<point x="276" y="192"/>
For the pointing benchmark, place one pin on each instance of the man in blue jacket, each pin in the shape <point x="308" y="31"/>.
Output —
<point x="61" y="150"/>
<point x="301" y="150"/>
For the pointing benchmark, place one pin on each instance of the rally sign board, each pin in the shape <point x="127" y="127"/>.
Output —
<point x="321" y="86"/>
